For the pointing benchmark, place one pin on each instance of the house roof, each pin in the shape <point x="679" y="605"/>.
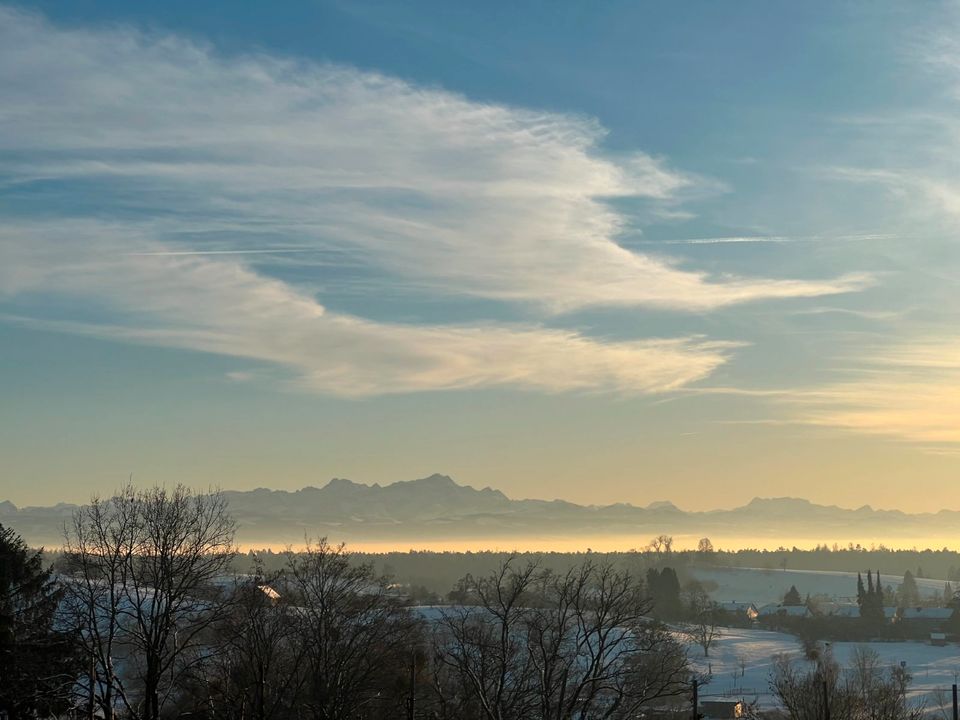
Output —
<point x="853" y="611"/>
<point x="924" y="613"/>
<point x="737" y="607"/>
<point x="788" y="610"/>
<point x="269" y="592"/>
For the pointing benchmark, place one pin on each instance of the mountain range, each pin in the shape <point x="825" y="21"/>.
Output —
<point x="436" y="509"/>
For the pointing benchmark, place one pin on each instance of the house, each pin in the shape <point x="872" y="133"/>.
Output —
<point x="926" y="614"/>
<point x="722" y="709"/>
<point x="773" y="610"/>
<point x="925" y="619"/>
<point x="747" y="609"/>
<point x="852" y="612"/>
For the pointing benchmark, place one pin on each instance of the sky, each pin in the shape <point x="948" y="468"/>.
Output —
<point x="614" y="252"/>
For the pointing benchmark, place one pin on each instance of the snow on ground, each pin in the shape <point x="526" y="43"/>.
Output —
<point x="741" y="663"/>
<point x="761" y="586"/>
<point x="741" y="660"/>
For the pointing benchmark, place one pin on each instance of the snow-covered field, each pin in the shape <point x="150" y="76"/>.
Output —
<point x="742" y="660"/>
<point x="761" y="586"/>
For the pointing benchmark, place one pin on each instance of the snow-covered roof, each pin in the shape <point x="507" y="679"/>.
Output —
<point x="853" y="611"/>
<point x="787" y="610"/>
<point x="732" y="606"/>
<point x="269" y="592"/>
<point x="922" y="613"/>
<point x="846" y="611"/>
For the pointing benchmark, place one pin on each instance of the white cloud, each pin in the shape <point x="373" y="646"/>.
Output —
<point x="195" y="163"/>
<point x="426" y="185"/>
<point x="216" y="304"/>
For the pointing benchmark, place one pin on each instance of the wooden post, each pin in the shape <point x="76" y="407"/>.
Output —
<point x="955" y="715"/>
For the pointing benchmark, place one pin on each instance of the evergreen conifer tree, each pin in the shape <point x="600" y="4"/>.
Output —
<point x="909" y="595"/>
<point x="663" y="587"/>
<point x="38" y="666"/>
<point x="792" y="598"/>
<point x="871" y="600"/>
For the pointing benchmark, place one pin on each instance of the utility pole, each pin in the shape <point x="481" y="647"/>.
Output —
<point x="696" y="700"/>
<point x="412" y="706"/>
<point x="955" y="713"/>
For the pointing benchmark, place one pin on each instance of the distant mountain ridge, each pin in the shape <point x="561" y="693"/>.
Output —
<point x="437" y="508"/>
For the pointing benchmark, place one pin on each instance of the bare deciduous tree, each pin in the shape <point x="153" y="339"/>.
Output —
<point x="703" y="628"/>
<point x="357" y="640"/>
<point x="185" y="542"/>
<point x="551" y="646"/>
<point x="863" y="692"/>
<point x="662" y="545"/>
<point x="483" y="648"/>
<point x="804" y="694"/>
<point x="98" y="546"/>
<point x="256" y="669"/>
<point x="144" y="562"/>
<point x="881" y="691"/>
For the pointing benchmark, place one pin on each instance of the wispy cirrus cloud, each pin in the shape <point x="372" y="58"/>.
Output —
<point x="217" y="305"/>
<point x="908" y="392"/>
<point x="770" y="239"/>
<point x="175" y="167"/>
<point x="930" y="192"/>
<point x="463" y="197"/>
<point x="905" y="393"/>
<point x="350" y="357"/>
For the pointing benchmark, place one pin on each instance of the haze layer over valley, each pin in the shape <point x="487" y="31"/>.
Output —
<point x="437" y="513"/>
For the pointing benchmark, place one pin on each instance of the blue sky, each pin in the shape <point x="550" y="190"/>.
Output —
<point x="618" y="253"/>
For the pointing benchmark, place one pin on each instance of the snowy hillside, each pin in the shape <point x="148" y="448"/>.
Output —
<point x="741" y="662"/>
<point x="762" y="586"/>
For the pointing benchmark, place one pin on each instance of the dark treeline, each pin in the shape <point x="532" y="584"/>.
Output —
<point x="437" y="572"/>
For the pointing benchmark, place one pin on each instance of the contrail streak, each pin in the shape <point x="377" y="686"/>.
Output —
<point x="167" y="253"/>
<point x="775" y="239"/>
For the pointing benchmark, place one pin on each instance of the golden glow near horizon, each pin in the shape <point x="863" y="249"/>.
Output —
<point x="622" y="543"/>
